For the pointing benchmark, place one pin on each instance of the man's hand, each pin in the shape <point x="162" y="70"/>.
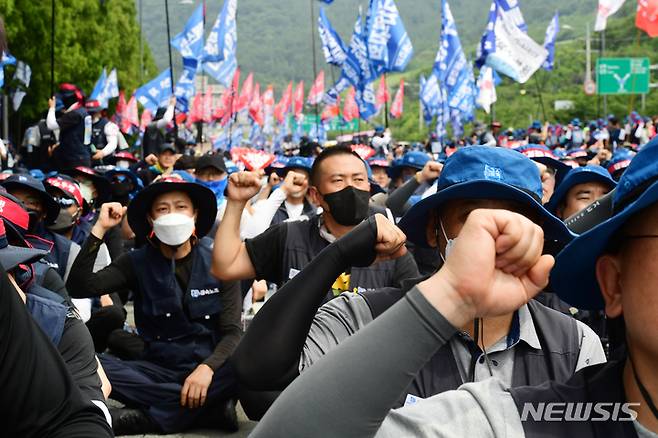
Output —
<point x="430" y="172"/>
<point x="294" y="184"/>
<point x="98" y="156"/>
<point x="52" y="102"/>
<point x="494" y="268"/>
<point x="110" y="216"/>
<point x="195" y="389"/>
<point x="390" y="240"/>
<point x="242" y="186"/>
<point x="273" y="180"/>
<point x="172" y="101"/>
<point x="151" y="159"/>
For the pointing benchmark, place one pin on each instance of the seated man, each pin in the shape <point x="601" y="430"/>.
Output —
<point x="189" y="321"/>
<point x="579" y="188"/>
<point x="496" y="266"/>
<point x="522" y="347"/>
<point x="339" y="184"/>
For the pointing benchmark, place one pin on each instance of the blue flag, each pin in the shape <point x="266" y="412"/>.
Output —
<point x="236" y="136"/>
<point x="454" y="73"/>
<point x="110" y="89"/>
<point x="185" y="88"/>
<point x="429" y="97"/>
<point x="156" y="93"/>
<point x="332" y="45"/>
<point x="358" y="70"/>
<point x="222" y="39"/>
<point x="100" y="85"/>
<point x="221" y="142"/>
<point x="190" y="41"/>
<point x="5" y="59"/>
<point x="549" y="41"/>
<point x="389" y="46"/>
<point x="487" y="44"/>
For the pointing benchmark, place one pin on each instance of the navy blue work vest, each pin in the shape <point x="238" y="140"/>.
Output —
<point x="557" y="359"/>
<point x="303" y="243"/>
<point x="72" y="150"/>
<point x="58" y="247"/>
<point x="179" y="327"/>
<point x="98" y="137"/>
<point x="600" y="383"/>
<point x="48" y="311"/>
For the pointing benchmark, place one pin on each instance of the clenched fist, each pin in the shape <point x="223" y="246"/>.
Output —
<point x="243" y="186"/>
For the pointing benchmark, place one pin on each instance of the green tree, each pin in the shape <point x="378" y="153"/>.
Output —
<point x="89" y="34"/>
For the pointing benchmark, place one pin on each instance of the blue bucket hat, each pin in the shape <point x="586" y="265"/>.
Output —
<point x="620" y="160"/>
<point x="574" y="276"/>
<point x="413" y="159"/>
<point x="579" y="175"/>
<point x="483" y="172"/>
<point x="302" y="163"/>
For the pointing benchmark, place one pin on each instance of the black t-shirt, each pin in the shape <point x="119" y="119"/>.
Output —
<point x="266" y="252"/>
<point x="77" y="349"/>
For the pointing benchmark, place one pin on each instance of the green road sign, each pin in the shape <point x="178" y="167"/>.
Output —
<point x="336" y="124"/>
<point x="622" y="75"/>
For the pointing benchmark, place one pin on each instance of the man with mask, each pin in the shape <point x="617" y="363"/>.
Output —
<point x="611" y="267"/>
<point x="339" y="184"/>
<point x="43" y="211"/>
<point x="125" y="184"/>
<point x="189" y="320"/>
<point x="105" y="314"/>
<point x="165" y="160"/>
<point x="210" y="171"/>
<point x="104" y="133"/>
<point x="530" y="346"/>
<point x="74" y="128"/>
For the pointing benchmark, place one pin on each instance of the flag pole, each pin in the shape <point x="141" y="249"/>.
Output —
<point x="315" y="67"/>
<point x="539" y="96"/>
<point x="199" y="127"/>
<point x="52" y="49"/>
<point x="385" y="102"/>
<point x="171" y="63"/>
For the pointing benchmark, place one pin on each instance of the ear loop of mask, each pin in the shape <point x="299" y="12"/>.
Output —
<point x="445" y="236"/>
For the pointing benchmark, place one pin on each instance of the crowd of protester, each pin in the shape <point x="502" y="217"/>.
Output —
<point x="179" y="284"/>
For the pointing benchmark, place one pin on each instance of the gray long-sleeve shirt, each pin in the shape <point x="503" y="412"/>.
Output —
<point x="348" y="393"/>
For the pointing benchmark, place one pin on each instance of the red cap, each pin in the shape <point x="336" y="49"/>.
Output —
<point x="14" y="213"/>
<point x="67" y="187"/>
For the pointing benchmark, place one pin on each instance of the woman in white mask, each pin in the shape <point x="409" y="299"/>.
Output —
<point x="189" y="321"/>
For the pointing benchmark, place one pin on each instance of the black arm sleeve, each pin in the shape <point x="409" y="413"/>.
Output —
<point x="397" y="201"/>
<point x="114" y="242"/>
<point x="53" y="281"/>
<point x="268" y="356"/>
<point x="77" y="350"/>
<point x="229" y="325"/>
<point x="266" y="252"/>
<point x="84" y="283"/>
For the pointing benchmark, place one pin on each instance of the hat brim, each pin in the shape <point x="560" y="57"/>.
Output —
<point x="51" y="206"/>
<point x="414" y="222"/>
<point x="12" y="256"/>
<point x="574" y="276"/>
<point x="579" y="178"/>
<point x="561" y="169"/>
<point x="202" y="197"/>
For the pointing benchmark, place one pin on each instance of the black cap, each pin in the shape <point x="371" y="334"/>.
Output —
<point x="211" y="160"/>
<point x="167" y="147"/>
<point x="28" y="182"/>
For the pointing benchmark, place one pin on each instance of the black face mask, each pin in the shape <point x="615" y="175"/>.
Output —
<point x="64" y="222"/>
<point x="34" y="220"/>
<point x="122" y="189"/>
<point x="348" y="206"/>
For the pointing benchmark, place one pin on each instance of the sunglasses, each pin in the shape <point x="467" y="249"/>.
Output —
<point x="65" y="202"/>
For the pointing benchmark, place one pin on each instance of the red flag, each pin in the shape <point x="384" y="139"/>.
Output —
<point x="331" y="111"/>
<point x="382" y="93"/>
<point x="207" y="106"/>
<point x="350" y="108"/>
<point x="647" y="17"/>
<point x="131" y="115"/>
<point x="196" y="111"/>
<point x="120" y="109"/>
<point x="147" y="118"/>
<point x="256" y="106"/>
<point x="282" y="108"/>
<point x="317" y="90"/>
<point x="246" y="93"/>
<point x="233" y="95"/>
<point x="299" y="99"/>
<point x="398" y="103"/>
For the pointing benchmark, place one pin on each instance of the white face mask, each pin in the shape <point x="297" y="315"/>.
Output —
<point x="450" y="243"/>
<point x="173" y="229"/>
<point x="86" y="188"/>
<point x="123" y="164"/>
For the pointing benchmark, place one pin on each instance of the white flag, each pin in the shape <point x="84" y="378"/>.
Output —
<point x="486" y="88"/>
<point x="606" y="9"/>
<point x="517" y="55"/>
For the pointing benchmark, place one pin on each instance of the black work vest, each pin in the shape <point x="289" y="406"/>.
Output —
<point x="98" y="137"/>
<point x="48" y="312"/>
<point x="557" y="359"/>
<point x="59" y="248"/>
<point x="179" y="327"/>
<point x="72" y="150"/>
<point x="281" y="214"/>
<point x="600" y="383"/>
<point x="303" y="243"/>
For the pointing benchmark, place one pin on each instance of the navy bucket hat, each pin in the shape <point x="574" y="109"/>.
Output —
<point x="579" y="175"/>
<point x="574" y="276"/>
<point x="414" y="159"/>
<point x="483" y="172"/>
